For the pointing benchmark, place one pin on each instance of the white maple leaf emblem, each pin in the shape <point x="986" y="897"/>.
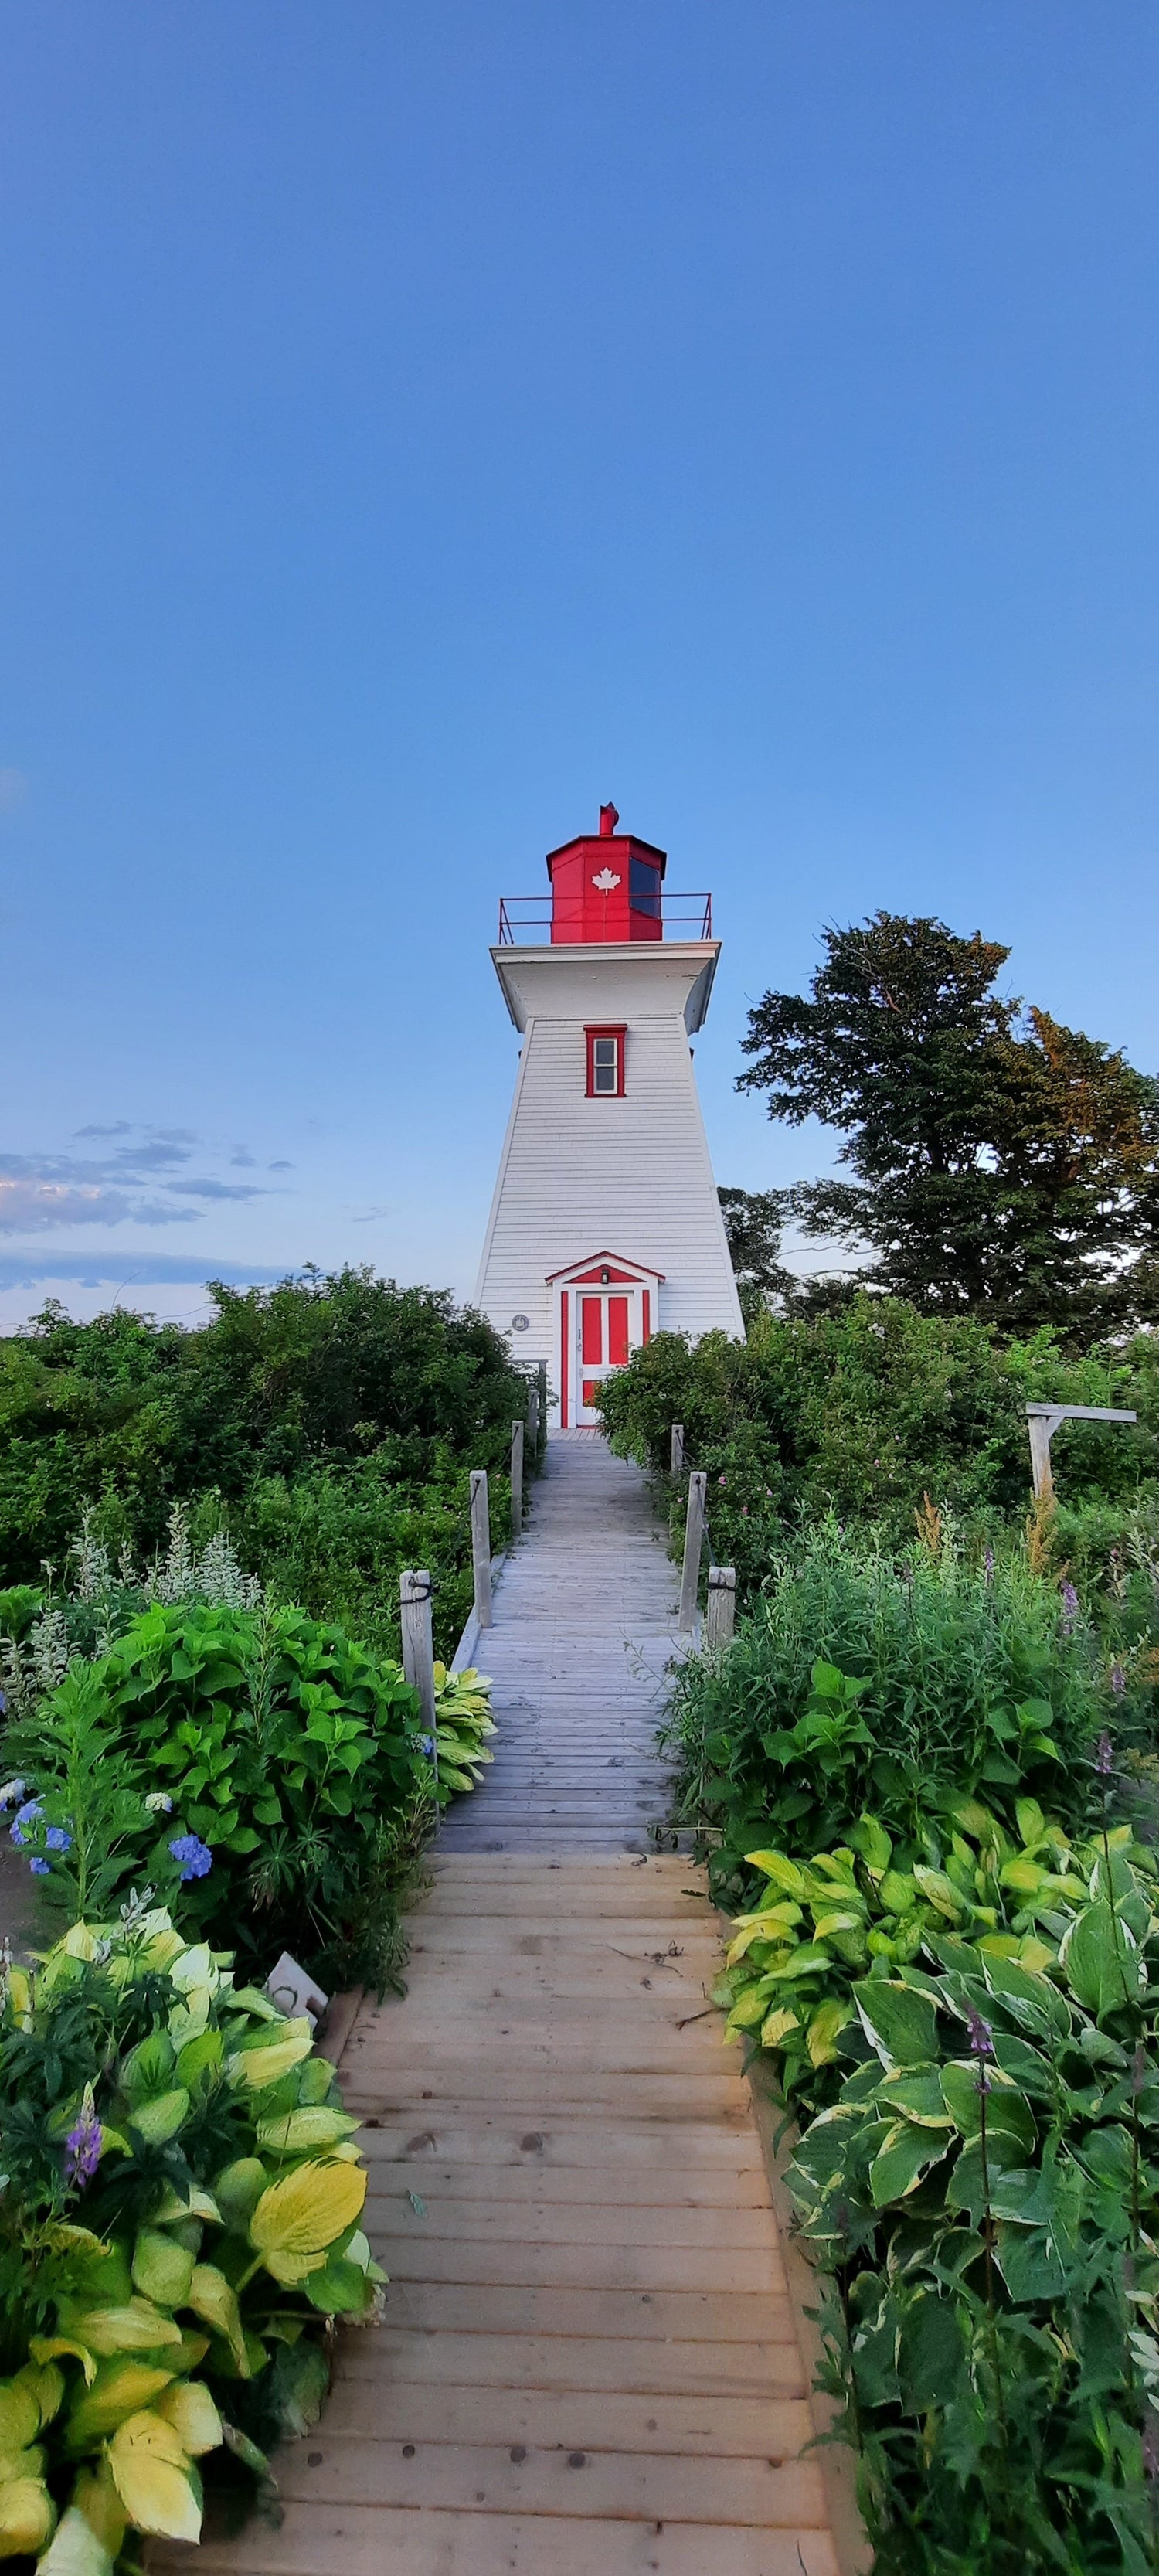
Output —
<point x="605" y="883"/>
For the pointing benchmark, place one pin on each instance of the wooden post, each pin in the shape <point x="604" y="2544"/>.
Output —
<point x="693" y="1542"/>
<point x="516" y="1479"/>
<point x="1040" y="1476"/>
<point x="481" y="1544"/>
<point x="418" y="1654"/>
<point x="533" y="1416"/>
<point x="1042" y="1421"/>
<point x="676" y="1462"/>
<point x="720" y="1616"/>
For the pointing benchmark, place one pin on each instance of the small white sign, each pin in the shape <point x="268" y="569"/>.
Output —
<point x="293" y="1992"/>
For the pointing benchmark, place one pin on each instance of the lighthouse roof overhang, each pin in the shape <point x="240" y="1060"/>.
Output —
<point x="559" y="979"/>
<point x="619" y="1263"/>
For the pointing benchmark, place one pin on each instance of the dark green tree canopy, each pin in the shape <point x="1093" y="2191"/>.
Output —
<point x="753" y="1220"/>
<point x="1003" y="1165"/>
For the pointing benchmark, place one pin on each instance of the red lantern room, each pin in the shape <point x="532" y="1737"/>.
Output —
<point x="607" y="888"/>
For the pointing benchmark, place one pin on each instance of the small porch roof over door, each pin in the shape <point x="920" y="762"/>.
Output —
<point x="589" y="1272"/>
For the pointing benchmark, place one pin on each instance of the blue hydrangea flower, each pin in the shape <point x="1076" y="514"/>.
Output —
<point x="40" y="1868"/>
<point x="195" y="1857"/>
<point x="56" y="1839"/>
<point x="426" y="1743"/>
<point x="25" y="1815"/>
<point x="12" y="1791"/>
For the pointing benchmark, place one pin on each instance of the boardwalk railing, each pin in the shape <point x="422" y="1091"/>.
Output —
<point x="720" y="1606"/>
<point x="415" y="1586"/>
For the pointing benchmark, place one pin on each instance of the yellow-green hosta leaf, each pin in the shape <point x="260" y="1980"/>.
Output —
<point x="20" y="2417"/>
<point x="138" y="2326"/>
<point x="200" y="2204"/>
<point x="45" y="2347"/>
<point x="777" y="2025"/>
<point x="160" y="2118"/>
<point x="256" y="2067"/>
<point x="292" y="2269"/>
<point x="308" y="2209"/>
<point x="1025" y="1877"/>
<point x="238" y="2189"/>
<point x="215" y="2302"/>
<point x="89" y="2535"/>
<point x="304" y="2132"/>
<point x="747" y="2011"/>
<point x="783" y="1872"/>
<point x="824" y="2027"/>
<point x="27" y="2516"/>
<point x="162" y="2270"/>
<point x="940" y="1892"/>
<point x="190" y="2409"/>
<point x="33" y="2395"/>
<point x="898" y="1891"/>
<point x="121" y="2388"/>
<point x="22" y="2464"/>
<point x="824" y="1925"/>
<point x="154" y="2478"/>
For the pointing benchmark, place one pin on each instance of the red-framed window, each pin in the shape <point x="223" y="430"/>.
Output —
<point x="605" y="1063"/>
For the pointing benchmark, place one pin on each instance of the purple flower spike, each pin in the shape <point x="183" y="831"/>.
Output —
<point x="194" y="1856"/>
<point x="988" y="1563"/>
<point x="1070" y="1608"/>
<point x="82" y="2147"/>
<point x="1118" y="1680"/>
<point x="981" y="2035"/>
<point x="1104" y="1757"/>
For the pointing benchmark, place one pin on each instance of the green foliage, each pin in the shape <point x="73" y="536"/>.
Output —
<point x="332" y="1419"/>
<point x="1004" y="1166"/>
<point x="867" y="1410"/>
<point x="855" y="1685"/>
<point x="946" y="1951"/>
<point x="986" y="2189"/>
<point x="753" y="1224"/>
<point x="179" y="2221"/>
<point x="287" y="1751"/>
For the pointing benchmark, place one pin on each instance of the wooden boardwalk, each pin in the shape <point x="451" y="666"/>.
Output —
<point x="590" y="2363"/>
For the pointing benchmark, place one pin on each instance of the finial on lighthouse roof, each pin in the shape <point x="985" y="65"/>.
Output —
<point x="608" y="821"/>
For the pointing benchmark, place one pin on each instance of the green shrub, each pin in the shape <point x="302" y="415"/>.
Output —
<point x="331" y="1421"/>
<point x="180" y="2222"/>
<point x="866" y="1411"/>
<point x="857" y="1685"/>
<point x="289" y="1762"/>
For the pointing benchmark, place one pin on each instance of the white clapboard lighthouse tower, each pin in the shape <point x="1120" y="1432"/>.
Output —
<point x="605" y="1225"/>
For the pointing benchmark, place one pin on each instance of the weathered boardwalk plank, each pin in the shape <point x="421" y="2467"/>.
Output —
<point x="590" y="2363"/>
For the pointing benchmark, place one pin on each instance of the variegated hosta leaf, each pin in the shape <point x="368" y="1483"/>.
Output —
<point x="308" y="2209"/>
<point x="155" y="2478"/>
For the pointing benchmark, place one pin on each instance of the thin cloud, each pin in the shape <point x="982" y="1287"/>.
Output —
<point x="211" y="1189"/>
<point x="120" y="1127"/>
<point x="29" y="1205"/>
<point x="243" y="1161"/>
<point x="279" y="1167"/>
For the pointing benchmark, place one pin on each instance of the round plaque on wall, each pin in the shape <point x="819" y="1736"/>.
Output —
<point x="520" y="1323"/>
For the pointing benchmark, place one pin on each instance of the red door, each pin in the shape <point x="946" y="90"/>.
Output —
<point x="603" y="1346"/>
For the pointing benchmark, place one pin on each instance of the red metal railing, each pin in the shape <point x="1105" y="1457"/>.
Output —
<point x="525" y="919"/>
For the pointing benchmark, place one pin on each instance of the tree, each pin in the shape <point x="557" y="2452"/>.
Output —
<point x="1005" y="1166"/>
<point x="753" y="1220"/>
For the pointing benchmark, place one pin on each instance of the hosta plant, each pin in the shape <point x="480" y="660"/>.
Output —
<point x="873" y="1905"/>
<point x="463" y="1721"/>
<point x="179" y="2222"/>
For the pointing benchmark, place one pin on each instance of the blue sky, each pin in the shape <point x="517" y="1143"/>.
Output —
<point x="423" y="421"/>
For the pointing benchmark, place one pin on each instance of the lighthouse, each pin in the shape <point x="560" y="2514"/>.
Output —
<point x="605" y="1225"/>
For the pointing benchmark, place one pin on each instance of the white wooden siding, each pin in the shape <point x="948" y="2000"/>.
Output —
<point x="632" y="1176"/>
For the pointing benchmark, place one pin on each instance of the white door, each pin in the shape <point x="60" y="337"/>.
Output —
<point x="606" y="1332"/>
